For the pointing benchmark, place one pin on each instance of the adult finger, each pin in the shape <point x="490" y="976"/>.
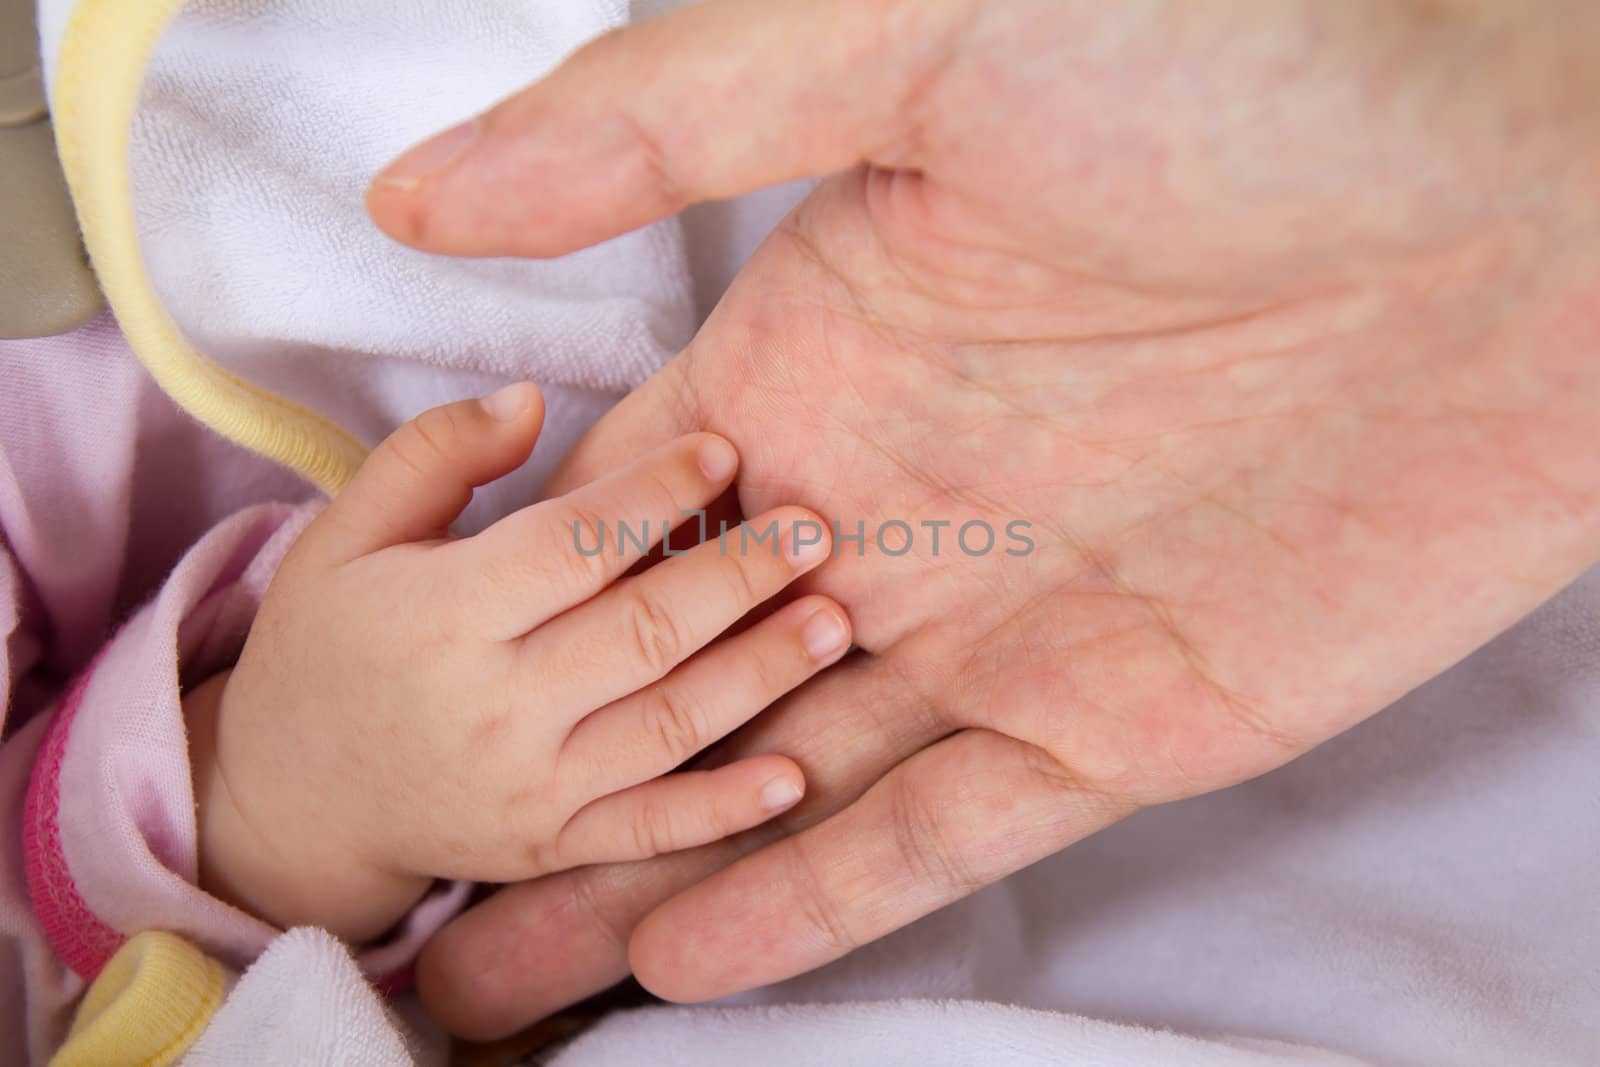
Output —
<point x="535" y="947"/>
<point x="947" y="822"/>
<point x="707" y="102"/>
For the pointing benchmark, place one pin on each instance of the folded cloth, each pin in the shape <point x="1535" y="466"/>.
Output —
<point x="304" y="1001"/>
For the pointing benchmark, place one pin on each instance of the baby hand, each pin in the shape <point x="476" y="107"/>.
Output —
<point x="410" y="706"/>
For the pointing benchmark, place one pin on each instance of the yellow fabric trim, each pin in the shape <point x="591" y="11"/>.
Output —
<point x="104" y="53"/>
<point x="149" y="1004"/>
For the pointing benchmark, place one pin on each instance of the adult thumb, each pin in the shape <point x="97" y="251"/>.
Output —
<point x="707" y="102"/>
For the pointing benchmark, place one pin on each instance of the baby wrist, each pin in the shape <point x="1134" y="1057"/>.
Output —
<point x="307" y="882"/>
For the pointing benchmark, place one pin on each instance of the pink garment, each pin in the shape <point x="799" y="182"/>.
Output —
<point x="136" y="548"/>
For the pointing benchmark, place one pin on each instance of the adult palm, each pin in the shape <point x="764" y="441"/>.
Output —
<point x="1278" y="322"/>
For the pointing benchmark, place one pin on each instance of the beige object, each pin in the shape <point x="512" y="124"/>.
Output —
<point x="46" y="286"/>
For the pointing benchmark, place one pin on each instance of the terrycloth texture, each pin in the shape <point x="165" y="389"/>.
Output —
<point x="100" y="67"/>
<point x="1418" y="891"/>
<point x="908" y="1033"/>
<point x="260" y="125"/>
<point x="303" y="1002"/>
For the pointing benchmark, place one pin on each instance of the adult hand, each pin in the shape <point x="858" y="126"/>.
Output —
<point x="1279" y="321"/>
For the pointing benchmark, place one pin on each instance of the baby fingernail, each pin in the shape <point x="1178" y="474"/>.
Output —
<point x="823" y="635"/>
<point x="717" y="459"/>
<point x="430" y="157"/>
<point x="506" y="404"/>
<point x="780" y="793"/>
<point x="807" y="542"/>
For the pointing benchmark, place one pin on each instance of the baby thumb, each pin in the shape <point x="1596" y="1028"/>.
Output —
<point x="420" y="478"/>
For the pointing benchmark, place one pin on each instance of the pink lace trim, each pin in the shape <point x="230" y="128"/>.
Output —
<point x="77" y="934"/>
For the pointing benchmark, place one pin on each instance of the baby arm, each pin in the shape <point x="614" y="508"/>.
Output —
<point x="410" y="706"/>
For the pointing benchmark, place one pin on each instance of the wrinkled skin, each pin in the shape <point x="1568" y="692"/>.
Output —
<point x="1280" y="322"/>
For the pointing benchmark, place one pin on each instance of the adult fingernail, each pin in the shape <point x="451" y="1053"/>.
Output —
<point x="430" y="157"/>
<point x="507" y="403"/>
<point x="823" y="635"/>
<point x="717" y="459"/>
<point x="780" y="794"/>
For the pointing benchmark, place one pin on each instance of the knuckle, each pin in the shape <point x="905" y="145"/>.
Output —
<point x="1073" y="759"/>
<point x="1069" y="781"/>
<point x="677" y="726"/>
<point x="653" y="634"/>
<point x="819" y="908"/>
<point x="920" y="839"/>
<point x="660" y="495"/>
<point x="652" y="830"/>
<point x="587" y="900"/>
<point x="778" y="662"/>
<point x="653" y="160"/>
<point x="743" y="585"/>
<point x="770" y="676"/>
<point x="648" y="155"/>
<point x="421" y="444"/>
<point x="586" y="551"/>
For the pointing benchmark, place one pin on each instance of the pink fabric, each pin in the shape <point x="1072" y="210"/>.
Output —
<point x="76" y="933"/>
<point x="126" y="805"/>
<point x="119" y="515"/>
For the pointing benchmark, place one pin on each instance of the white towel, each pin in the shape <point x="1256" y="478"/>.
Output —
<point x="909" y="1033"/>
<point x="261" y="123"/>
<point x="304" y="1002"/>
